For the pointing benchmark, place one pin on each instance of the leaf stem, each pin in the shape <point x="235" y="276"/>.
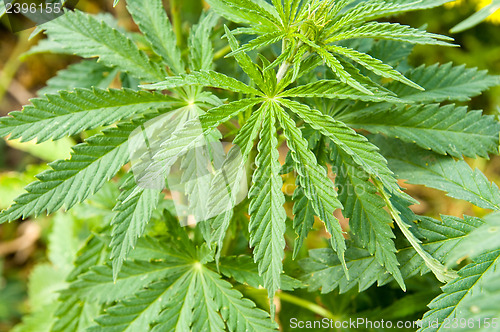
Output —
<point x="175" y="10"/>
<point x="223" y="51"/>
<point x="282" y="71"/>
<point x="13" y="63"/>
<point x="319" y="310"/>
<point x="285" y="65"/>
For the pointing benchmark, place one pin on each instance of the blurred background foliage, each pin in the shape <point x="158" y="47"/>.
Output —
<point x="24" y="245"/>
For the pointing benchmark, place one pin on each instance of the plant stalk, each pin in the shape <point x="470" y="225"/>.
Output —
<point x="313" y="307"/>
<point x="282" y="71"/>
<point x="175" y="10"/>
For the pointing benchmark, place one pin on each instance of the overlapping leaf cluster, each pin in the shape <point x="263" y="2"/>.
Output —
<point x="336" y="78"/>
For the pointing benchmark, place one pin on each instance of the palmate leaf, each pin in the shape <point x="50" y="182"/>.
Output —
<point x="84" y="35"/>
<point x="189" y="296"/>
<point x="136" y="313"/>
<point x="241" y="314"/>
<point x="69" y="113"/>
<point x="464" y="297"/>
<point x="98" y="285"/>
<point x="134" y="210"/>
<point x="446" y="130"/>
<point x="353" y="144"/>
<point x="205" y="285"/>
<point x="313" y="178"/>
<point x="85" y="74"/>
<point x="368" y="220"/>
<point x="205" y="78"/>
<point x="418" y="166"/>
<point x="323" y="270"/>
<point x="267" y="213"/>
<point x="153" y="22"/>
<point x="71" y="181"/>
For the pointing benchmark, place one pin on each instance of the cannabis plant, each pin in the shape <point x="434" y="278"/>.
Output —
<point x="306" y="112"/>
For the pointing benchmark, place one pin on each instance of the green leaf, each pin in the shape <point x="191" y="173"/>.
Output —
<point x="136" y="313"/>
<point x="188" y="297"/>
<point x="79" y="110"/>
<point x="339" y="70"/>
<point x="134" y="211"/>
<point x="334" y="89"/>
<point x="323" y="270"/>
<point x="241" y="314"/>
<point x="367" y="11"/>
<point x="363" y="153"/>
<point x="443" y="173"/>
<point x="71" y="181"/>
<point x="244" y="142"/>
<point x="261" y="41"/>
<point x="84" y="35"/>
<point x="481" y="240"/>
<point x="86" y="74"/>
<point x="206" y="78"/>
<point x="217" y="115"/>
<point x="98" y="284"/>
<point x="303" y="219"/>
<point x="374" y="65"/>
<point x="460" y="297"/>
<point x="392" y="31"/>
<point x="2" y="8"/>
<point x="267" y="213"/>
<point x="247" y="11"/>
<point x="445" y="83"/>
<point x="72" y="313"/>
<point x="200" y="44"/>
<point x="477" y="17"/>
<point x="368" y="220"/>
<point x="446" y="130"/>
<point x="153" y="22"/>
<point x="314" y="180"/>
<point x="245" y="62"/>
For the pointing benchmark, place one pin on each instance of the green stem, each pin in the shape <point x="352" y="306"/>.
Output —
<point x="222" y="52"/>
<point x="313" y="307"/>
<point x="285" y="65"/>
<point x="175" y="10"/>
<point x="282" y="71"/>
<point x="442" y="273"/>
<point x="13" y="63"/>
